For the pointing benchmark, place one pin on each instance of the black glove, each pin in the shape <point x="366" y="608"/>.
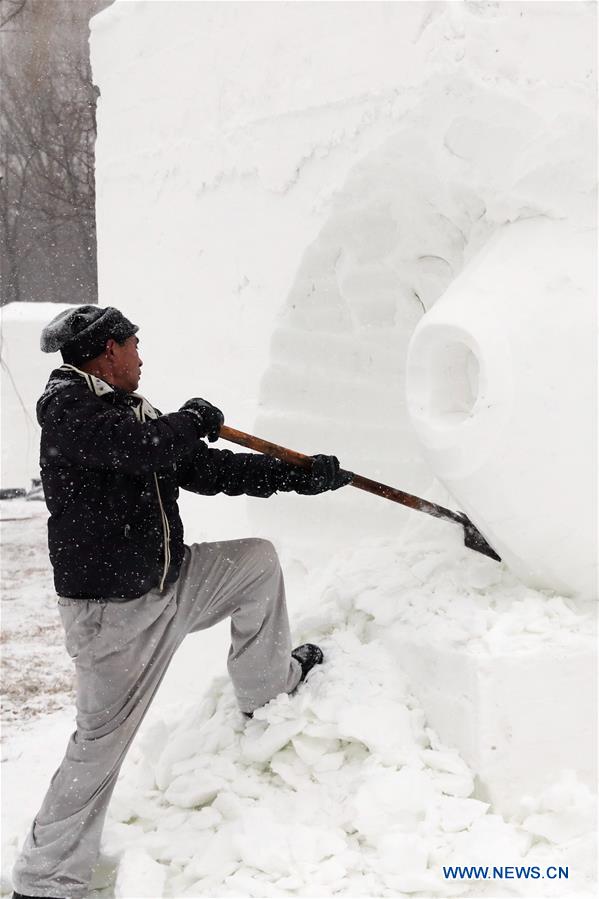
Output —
<point x="207" y="416"/>
<point x="325" y="474"/>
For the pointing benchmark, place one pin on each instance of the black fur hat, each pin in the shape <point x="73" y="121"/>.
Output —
<point x="81" y="333"/>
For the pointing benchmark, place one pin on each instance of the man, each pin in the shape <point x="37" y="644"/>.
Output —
<point x="129" y="588"/>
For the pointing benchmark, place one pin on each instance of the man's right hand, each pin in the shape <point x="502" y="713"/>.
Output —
<point x="207" y="416"/>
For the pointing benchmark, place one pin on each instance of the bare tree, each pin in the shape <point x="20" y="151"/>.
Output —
<point x="47" y="138"/>
<point x="9" y="10"/>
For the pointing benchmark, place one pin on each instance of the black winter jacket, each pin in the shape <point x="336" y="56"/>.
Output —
<point x="111" y="483"/>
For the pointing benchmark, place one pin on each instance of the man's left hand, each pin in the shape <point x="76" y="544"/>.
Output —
<point x="325" y="474"/>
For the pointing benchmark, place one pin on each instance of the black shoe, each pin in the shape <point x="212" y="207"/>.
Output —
<point x="308" y="655"/>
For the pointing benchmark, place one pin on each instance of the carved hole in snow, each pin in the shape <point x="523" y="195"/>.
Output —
<point x="454" y="383"/>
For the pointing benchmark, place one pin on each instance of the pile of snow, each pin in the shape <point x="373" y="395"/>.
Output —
<point x="344" y="788"/>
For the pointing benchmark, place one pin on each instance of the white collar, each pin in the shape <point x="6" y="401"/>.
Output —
<point x="142" y="410"/>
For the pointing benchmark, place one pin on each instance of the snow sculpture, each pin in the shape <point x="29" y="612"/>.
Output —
<point x="488" y="196"/>
<point x="501" y="394"/>
<point x="239" y="192"/>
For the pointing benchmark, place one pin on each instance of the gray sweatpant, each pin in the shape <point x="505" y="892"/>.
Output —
<point x="121" y="651"/>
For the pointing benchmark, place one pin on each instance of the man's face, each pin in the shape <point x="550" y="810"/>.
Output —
<point x="126" y="363"/>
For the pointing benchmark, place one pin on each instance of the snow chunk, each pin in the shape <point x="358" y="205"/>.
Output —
<point x="311" y="749"/>
<point x="218" y="858"/>
<point x="391" y="799"/>
<point x="260" y="745"/>
<point x="564" y="811"/>
<point x="140" y="876"/>
<point x="459" y="814"/>
<point x="190" y="790"/>
<point x="276" y="845"/>
<point x="386" y="729"/>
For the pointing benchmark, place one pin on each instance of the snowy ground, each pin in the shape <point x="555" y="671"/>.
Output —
<point x="37" y="673"/>
<point x="342" y="789"/>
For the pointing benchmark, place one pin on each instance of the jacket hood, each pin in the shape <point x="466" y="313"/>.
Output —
<point x="59" y="380"/>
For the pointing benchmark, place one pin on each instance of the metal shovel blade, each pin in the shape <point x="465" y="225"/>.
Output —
<point x="473" y="539"/>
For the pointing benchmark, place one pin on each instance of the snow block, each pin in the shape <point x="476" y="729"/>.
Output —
<point x="24" y="376"/>
<point x="139" y="875"/>
<point x="511" y="715"/>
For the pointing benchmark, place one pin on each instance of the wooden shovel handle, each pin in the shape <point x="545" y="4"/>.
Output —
<point x="362" y="483"/>
<point x="264" y="446"/>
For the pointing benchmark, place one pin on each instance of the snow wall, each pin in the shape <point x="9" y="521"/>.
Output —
<point x="284" y="190"/>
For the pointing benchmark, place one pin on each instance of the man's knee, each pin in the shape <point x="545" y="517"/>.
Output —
<point x="263" y="555"/>
<point x="262" y="567"/>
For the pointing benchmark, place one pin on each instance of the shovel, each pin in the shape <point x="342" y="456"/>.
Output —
<point x="473" y="538"/>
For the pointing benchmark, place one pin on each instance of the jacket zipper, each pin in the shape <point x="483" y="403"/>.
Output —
<point x="166" y="535"/>
<point x="166" y="531"/>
